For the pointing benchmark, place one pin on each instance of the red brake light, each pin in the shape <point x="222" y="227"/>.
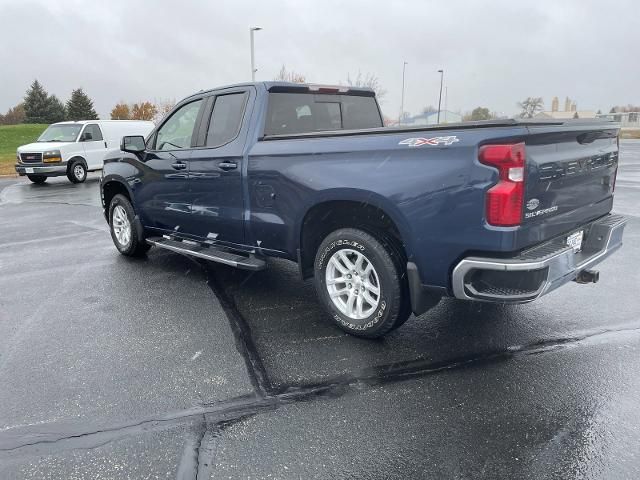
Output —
<point x="504" y="200"/>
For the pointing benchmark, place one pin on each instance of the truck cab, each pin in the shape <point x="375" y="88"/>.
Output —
<point x="74" y="148"/>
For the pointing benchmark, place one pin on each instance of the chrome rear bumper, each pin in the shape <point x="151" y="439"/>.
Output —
<point x="538" y="270"/>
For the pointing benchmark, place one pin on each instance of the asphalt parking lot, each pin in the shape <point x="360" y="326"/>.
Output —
<point x="166" y="367"/>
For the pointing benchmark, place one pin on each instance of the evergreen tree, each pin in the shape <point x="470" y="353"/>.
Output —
<point x="80" y="106"/>
<point x="55" y="110"/>
<point x="36" y="103"/>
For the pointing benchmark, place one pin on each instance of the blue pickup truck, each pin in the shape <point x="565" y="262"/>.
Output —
<point x="387" y="220"/>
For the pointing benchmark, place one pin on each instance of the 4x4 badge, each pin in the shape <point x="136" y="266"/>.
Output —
<point x="417" y="142"/>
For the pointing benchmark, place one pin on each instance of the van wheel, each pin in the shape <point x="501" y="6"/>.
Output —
<point x="360" y="281"/>
<point x="124" y="231"/>
<point x="77" y="172"/>
<point x="38" y="179"/>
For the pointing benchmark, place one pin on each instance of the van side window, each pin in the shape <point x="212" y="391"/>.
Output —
<point x="176" y="132"/>
<point x="94" y="130"/>
<point x="226" y="118"/>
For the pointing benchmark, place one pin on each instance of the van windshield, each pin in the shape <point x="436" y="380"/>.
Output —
<point x="60" y="133"/>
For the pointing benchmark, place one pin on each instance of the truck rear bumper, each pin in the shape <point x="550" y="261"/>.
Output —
<point x="539" y="270"/>
<point x="39" y="169"/>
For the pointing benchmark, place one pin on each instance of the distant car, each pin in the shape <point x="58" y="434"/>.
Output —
<point x="75" y="148"/>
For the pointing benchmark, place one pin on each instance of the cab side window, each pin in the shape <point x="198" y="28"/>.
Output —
<point x="226" y="118"/>
<point x="176" y="132"/>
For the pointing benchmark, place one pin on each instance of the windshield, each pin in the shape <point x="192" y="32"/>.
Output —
<point x="60" y="133"/>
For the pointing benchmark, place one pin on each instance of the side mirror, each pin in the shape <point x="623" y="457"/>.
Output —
<point x="87" y="136"/>
<point x="132" y="144"/>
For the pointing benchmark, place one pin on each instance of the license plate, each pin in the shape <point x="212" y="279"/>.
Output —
<point x="28" y="170"/>
<point x="575" y="240"/>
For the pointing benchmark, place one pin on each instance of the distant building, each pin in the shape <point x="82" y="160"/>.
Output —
<point x="431" y="118"/>
<point x="567" y="115"/>
<point x="570" y="111"/>
<point x="627" y="119"/>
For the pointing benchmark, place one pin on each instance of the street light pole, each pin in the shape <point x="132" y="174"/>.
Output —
<point x="404" y="66"/>
<point x="253" y="60"/>
<point x="440" y="98"/>
<point x="446" y="96"/>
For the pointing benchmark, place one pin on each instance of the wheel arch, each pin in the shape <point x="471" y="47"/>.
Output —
<point x="76" y="158"/>
<point x="356" y="209"/>
<point x="112" y="186"/>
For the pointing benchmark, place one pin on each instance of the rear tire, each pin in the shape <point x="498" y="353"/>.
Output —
<point x="37" y="179"/>
<point x="77" y="172"/>
<point x="125" y="231"/>
<point x="361" y="282"/>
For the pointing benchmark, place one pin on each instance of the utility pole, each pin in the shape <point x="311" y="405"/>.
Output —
<point x="446" y="95"/>
<point x="441" y="72"/>
<point x="253" y="60"/>
<point x="404" y="66"/>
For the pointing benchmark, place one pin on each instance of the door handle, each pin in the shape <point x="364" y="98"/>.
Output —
<point x="228" y="165"/>
<point x="179" y="165"/>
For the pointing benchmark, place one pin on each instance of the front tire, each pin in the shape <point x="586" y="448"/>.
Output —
<point x="124" y="231"/>
<point x="360" y="281"/>
<point x="77" y="172"/>
<point x="37" y="179"/>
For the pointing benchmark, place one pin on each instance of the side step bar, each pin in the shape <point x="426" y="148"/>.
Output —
<point x="213" y="254"/>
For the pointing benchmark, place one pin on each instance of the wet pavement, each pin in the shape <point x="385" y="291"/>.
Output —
<point x="170" y="368"/>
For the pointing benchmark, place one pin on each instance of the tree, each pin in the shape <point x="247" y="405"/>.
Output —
<point x="121" y="112"/>
<point x="36" y="103"/>
<point x="368" y="80"/>
<point x="163" y="108"/>
<point x="144" y="111"/>
<point x="479" y="113"/>
<point x="80" y="106"/>
<point x="290" y="76"/>
<point x="429" y="109"/>
<point x="530" y="106"/>
<point x="13" y="116"/>
<point x="55" y="110"/>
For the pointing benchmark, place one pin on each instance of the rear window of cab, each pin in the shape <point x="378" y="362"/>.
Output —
<point x="291" y="113"/>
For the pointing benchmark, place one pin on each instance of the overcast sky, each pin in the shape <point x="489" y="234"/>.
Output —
<point x="494" y="53"/>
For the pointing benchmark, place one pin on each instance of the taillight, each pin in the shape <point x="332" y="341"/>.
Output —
<point x="504" y="200"/>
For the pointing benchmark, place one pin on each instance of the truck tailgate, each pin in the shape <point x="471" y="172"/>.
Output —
<point x="570" y="176"/>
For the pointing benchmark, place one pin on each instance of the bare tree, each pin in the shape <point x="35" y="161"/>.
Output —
<point x="163" y="107"/>
<point x="530" y="106"/>
<point x="429" y="109"/>
<point x="290" y="76"/>
<point x="369" y="80"/>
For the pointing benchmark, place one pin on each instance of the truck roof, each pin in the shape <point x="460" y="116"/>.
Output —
<point x="293" y="87"/>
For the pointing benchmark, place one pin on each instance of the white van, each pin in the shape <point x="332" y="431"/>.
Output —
<point x="75" y="148"/>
